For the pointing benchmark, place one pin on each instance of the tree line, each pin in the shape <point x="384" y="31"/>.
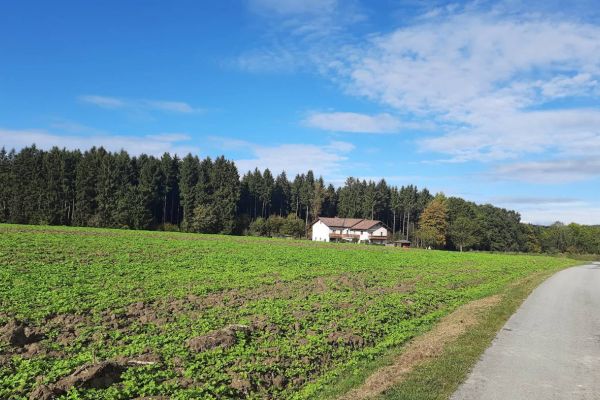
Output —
<point x="98" y="188"/>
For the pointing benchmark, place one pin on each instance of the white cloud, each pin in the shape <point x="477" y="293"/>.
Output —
<point x="581" y="213"/>
<point x="140" y="104"/>
<point x="275" y="59"/>
<point x="542" y="210"/>
<point x="174" y="106"/>
<point x="485" y="79"/>
<point x="353" y="122"/>
<point x="532" y="200"/>
<point x="293" y="7"/>
<point x="514" y="134"/>
<point x="299" y="34"/>
<point x="150" y="144"/>
<point x="554" y="171"/>
<point x="293" y="158"/>
<point x="455" y="67"/>
<point x="103" y="101"/>
<point x="562" y="86"/>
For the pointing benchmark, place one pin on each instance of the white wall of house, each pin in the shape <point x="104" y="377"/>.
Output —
<point x="320" y="232"/>
<point x="380" y="231"/>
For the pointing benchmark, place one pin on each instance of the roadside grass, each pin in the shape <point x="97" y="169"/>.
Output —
<point x="439" y="378"/>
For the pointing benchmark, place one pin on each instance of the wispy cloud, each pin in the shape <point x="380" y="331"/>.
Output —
<point x="104" y="101"/>
<point x="293" y="158"/>
<point x="156" y="144"/>
<point x="587" y="213"/>
<point x="140" y="104"/>
<point x="489" y="81"/>
<point x="293" y="7"/>
<point x="529" y="200"/>
<point x="553" y="171"/>
<point x="353" y="122"/>
<point x="514" y="133"/>
<point x="298" y="34"/>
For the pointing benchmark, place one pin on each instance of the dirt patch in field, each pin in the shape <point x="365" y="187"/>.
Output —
<point x="96" y="376"/>
<point x="19" y="334"/>
<point x="422" y="349"/>
<point x="224" y="338"/>
<point x="347" y="339"/>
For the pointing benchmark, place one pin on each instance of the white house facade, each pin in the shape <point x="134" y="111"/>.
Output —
<point x="350" y="230"/>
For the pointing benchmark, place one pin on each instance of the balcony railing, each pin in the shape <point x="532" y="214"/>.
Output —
<point x="344" y="236"/>
<point x="348" y="236"/>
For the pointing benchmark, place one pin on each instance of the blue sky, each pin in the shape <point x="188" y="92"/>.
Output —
<point x="491" y="101"/>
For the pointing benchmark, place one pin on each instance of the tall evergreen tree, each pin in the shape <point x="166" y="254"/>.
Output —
<point x="266" y="192"/>
<point x="282" y="193"/>
<point x="225" y="183"/>
<point x="330" y="202"/>
<point x="296" y="194"/>
<point x="189" y="171"/>
<point x="318" y="197"/>
<point x="170" y="170"/>
<point x="5" y="183"/>
<point x="86" y="186"/>
<point x="152" y="188"/>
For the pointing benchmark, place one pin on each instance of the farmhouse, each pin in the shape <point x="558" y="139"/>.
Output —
<point x="349" y="229"/>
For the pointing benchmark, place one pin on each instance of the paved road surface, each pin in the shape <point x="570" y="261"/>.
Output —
<point x="549" y="349"/>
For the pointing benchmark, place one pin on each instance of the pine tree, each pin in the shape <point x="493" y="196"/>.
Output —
<point x="317" y="199"/>
<point x="256" y="189"/>
<point x="6" y="160"/>
<point x="189" y="172"/>
<point x="394" y="206"/>
<point x="330" y="202"/>
<point x="282" y="195"/>
<point x="152" y="188"/>
<point x="266" y="192"/>
<point x="306" y="194"/>
<point x="225" y="183"/>
<point x="27" y="195"/>
<point x="296" y="190"/>
<point x="86" y="183"/>
<point x="170" y="170"/>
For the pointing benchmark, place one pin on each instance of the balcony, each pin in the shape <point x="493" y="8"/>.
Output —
<point x="343" y="236"/>
<point x="382" y="238"/>
<point x="353" y="237"/>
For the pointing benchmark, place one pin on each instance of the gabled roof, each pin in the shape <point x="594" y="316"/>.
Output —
<point x="354" y="223"/>
<point x="366" y="224"/>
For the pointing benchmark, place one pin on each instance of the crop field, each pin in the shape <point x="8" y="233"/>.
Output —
<point x="111" y="314"/>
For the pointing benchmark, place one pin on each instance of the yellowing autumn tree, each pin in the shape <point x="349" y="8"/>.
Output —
<point x="433" y="224"/>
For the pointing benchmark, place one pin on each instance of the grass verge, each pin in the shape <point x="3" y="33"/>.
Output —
<point x="440" y="377"/>
<point x="435" y="362"/>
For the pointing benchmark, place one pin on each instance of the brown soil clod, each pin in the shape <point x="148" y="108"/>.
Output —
<point x="242" y="385"/>
<point x="19" y="334"/>
<point x="225" y="338"/>
<point x="346" y="339"/>
<point x="97" y="376"/>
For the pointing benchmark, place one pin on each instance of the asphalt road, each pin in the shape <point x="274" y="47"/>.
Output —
<point x="549" y="349"/>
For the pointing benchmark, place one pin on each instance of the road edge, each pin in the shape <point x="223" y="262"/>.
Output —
<point x="440" y="377"/>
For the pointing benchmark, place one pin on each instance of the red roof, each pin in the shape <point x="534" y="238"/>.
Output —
<point x="354" y="223"/>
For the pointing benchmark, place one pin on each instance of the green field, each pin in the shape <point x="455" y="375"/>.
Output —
<point x="206" y="316"/>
